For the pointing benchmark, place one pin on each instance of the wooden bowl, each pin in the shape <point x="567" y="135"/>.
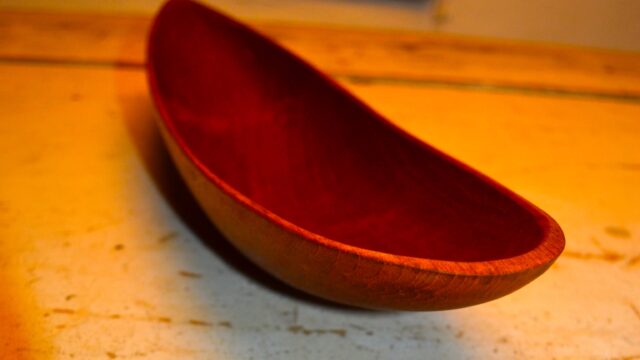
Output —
<point x="321" y="191"/>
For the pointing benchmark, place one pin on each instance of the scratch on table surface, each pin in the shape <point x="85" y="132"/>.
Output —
<point x="633" y="261"/>
<point x="63" y="311"/>
<point x="189" y="274"/>
<point x="362" y="329"/>
<point x="167" y="237"/>
<point x="297" y="329"/>
<point x="635" y="309"/>
<point x="144" y="304"/>
<point x="606" y="252"/>
<point x="503" y="340"/>
<point x="199" y="322"/>
<point x="91" y="228"/>
<point x="604" y="255"/>
<point x="159" y="319"/>
<point x="626" y="357"/>
<point x="618" y="232"/>
<point x="609" y="256"/>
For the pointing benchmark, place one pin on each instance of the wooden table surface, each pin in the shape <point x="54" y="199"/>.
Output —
<point x="104" y="254"/>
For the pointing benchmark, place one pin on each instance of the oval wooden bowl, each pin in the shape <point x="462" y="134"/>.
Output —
<point x="321" y="191"/>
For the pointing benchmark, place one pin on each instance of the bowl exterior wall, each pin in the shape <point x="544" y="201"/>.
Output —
<point x="347" y="277"/>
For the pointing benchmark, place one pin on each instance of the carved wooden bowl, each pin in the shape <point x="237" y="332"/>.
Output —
<point x="321" y="191"/>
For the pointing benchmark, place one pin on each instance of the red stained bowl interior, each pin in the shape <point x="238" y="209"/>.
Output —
<point x="293" y="142"/>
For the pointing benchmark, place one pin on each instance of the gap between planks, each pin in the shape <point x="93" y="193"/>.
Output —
<point x="361" y="80"/>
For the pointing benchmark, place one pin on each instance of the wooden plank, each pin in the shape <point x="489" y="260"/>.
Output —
<point x="388" y="56"/>
<point x="100" y="241"/>
<point x="73" y="37"/>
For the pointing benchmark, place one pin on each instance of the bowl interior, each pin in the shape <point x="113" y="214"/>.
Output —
<point x="283" y="135"/>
